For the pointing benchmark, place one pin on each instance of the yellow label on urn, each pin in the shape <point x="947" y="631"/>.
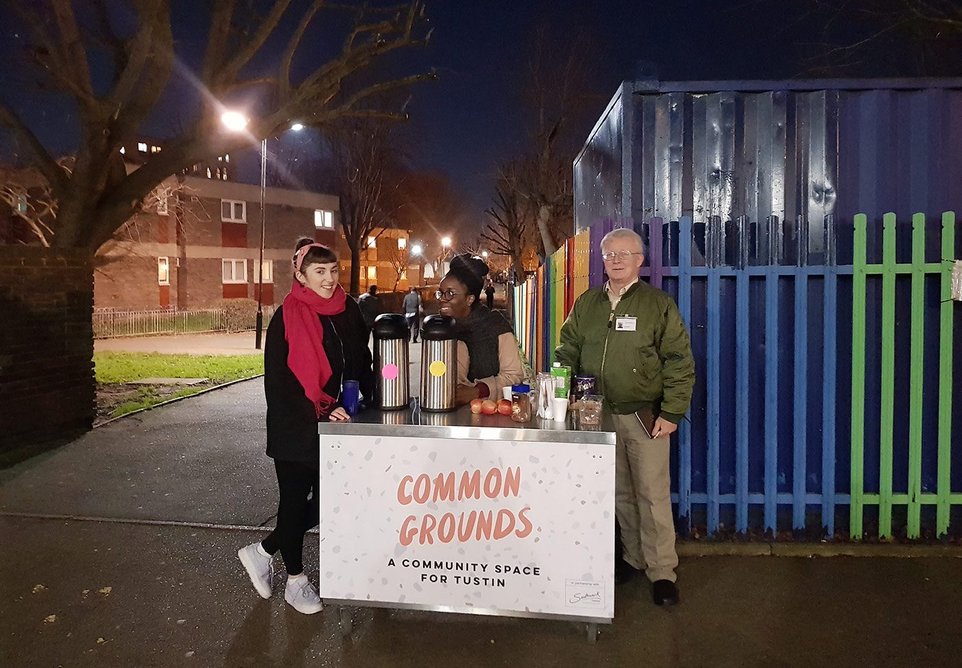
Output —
<point x="437" y="368"/>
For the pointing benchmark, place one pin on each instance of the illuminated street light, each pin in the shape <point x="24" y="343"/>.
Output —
<point x="484" y="254"/>
<point x="445" y="242"/>
<point x="297" y="127"/>
<point x="234" y="121"/>
<point x="416" y="249"/>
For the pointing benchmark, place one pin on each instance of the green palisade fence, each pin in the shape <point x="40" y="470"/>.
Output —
<point x="782" y="367"/>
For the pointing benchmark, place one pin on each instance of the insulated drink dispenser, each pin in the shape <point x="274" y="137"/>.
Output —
<point x="391" y="360"/>
<point x="439" y="363"/>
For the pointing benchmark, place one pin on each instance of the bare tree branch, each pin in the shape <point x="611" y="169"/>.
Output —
<point x="292" y="46"/>
<point x="98" y="196"/>
<point x="41" y="158"/>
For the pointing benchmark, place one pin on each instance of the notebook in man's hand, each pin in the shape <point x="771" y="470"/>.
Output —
<point x="646" y="418"/>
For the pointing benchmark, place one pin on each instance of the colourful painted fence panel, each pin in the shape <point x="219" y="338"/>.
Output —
<point x="819" y="395"/>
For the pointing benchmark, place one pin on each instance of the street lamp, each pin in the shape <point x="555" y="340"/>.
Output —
<point x="237" y="122"/>
<point x="484" y="254"/>
<point x="445" y="245"/>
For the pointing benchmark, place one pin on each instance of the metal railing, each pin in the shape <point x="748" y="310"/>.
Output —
<point x="825" y="389"/>
<point x="109" y="323"/>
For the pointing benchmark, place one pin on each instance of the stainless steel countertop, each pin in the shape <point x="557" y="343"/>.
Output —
<point x="462" y="423"/>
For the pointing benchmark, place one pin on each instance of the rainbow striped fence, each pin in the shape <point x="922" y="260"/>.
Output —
<point x="825" y="390"/>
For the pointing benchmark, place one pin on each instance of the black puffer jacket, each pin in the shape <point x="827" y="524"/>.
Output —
<point x="291" y="420"/>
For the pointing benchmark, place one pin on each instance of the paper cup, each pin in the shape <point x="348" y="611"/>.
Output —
<point x="506" y="392"/>
<point x="559" y="408"/>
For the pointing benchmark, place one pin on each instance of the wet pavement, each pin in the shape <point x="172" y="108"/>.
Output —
<point x="119" y="549"/>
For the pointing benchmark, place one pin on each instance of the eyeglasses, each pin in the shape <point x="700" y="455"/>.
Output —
<point x="621" y="255"/>
<point x="447" y="295"/>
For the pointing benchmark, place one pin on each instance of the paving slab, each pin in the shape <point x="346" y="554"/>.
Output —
<point x="168" y="381"/>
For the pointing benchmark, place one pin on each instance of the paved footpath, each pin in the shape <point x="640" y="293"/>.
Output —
<point x="119" y="550"/>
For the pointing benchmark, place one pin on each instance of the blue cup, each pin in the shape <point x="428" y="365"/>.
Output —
<point x="350" y="397"/>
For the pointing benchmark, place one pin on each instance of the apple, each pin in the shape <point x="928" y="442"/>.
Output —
<point x="476" y="405"/>
<point x="488" y="407"/>
<point x="504" y="406"/>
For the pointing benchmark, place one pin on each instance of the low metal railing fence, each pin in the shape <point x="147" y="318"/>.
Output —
<point x="109" y="323"/>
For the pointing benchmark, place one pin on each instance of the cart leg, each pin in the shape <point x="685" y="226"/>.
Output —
<point x="592" y="630"/>
<point x="345" y="621"/>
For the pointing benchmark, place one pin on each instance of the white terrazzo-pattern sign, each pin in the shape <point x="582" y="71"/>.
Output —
<point x="468" y="525"/>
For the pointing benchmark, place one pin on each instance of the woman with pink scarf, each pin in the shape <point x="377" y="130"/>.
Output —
<point x="315" y="341"/>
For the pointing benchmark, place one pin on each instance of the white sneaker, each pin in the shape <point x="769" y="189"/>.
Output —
<point x="260" y="568"/>
<point x="301" y="594"/>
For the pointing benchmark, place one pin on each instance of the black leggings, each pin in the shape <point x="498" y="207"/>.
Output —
<point x="296" y="513"/>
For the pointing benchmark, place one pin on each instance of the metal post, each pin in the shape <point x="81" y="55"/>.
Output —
<point x="259" y="325"/>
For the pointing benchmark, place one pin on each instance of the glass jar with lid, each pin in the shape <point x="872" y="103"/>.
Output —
<point x="521" y="403"/>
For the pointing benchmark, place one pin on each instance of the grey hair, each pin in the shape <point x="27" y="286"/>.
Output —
<point x="623" y="233"/>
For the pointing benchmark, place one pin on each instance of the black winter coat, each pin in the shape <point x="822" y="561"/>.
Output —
<point x="291" y="419"/>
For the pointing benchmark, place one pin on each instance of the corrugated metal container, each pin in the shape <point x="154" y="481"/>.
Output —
<point x="820" y="151"/>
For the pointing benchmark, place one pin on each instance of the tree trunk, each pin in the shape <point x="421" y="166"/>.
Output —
<point x="355" y="270"/>
<point x="544" y="215"/>
<point x="517" y="260"/>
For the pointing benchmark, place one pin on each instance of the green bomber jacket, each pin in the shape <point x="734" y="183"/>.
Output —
<point x="649" y="366"/>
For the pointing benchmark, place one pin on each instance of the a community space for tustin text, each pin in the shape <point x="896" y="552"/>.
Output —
<point x="467" y="573"/>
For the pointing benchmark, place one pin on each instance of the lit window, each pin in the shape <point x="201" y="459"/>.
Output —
<point x="402" y="243"/>
<point x="155" y="149"/>
<point x="223" y="175"/>
<point x="162" y="195"/>
<point x="268" y="272"/>
<point x="233" y="211"/>
<point x="142" y="147"/>
<point x="227" y="157"/>
<point x="234" y="271"/>
<point x="372" y="273"/>
<point x="163" y="271"/>
<point x="323" y="219"/>
<point x="220" y="158"/>
<point x="208" y="172"/>
<point x="122" y="150"/>
<point x="371" y="242"/>
<point x="21" y="203"/>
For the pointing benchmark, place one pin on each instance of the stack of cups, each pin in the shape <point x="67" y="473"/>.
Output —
<point x="559" y="405"/>
<point x="546" y="393"/>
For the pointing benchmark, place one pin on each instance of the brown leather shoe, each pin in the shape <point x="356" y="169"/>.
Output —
<point x="664" y="592"/>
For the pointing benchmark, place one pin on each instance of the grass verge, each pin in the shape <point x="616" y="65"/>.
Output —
<point x="116" y="395"/>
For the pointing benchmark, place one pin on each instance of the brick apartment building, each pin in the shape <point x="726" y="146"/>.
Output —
<point x="197" y="242"/>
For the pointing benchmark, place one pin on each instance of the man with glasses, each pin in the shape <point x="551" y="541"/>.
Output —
<point x="631" y="337"/>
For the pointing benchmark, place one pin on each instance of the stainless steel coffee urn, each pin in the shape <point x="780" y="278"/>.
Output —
<point x="391" y="360"/>
<point x="439" y="363"/>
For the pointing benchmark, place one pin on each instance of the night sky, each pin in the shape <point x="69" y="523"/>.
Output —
<point x="471" y="117"/>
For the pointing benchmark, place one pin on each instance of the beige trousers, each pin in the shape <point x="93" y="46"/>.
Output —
<point x="643" y="499"/>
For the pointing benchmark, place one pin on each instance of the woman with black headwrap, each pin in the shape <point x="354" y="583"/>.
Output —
<point x="488" y="355"/>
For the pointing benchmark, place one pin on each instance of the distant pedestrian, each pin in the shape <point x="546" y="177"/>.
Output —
<point x="412" y="312"/>
<point x="370" y="305"/>
<point x="315" y="341"/>
<point x="489" y="293"/>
